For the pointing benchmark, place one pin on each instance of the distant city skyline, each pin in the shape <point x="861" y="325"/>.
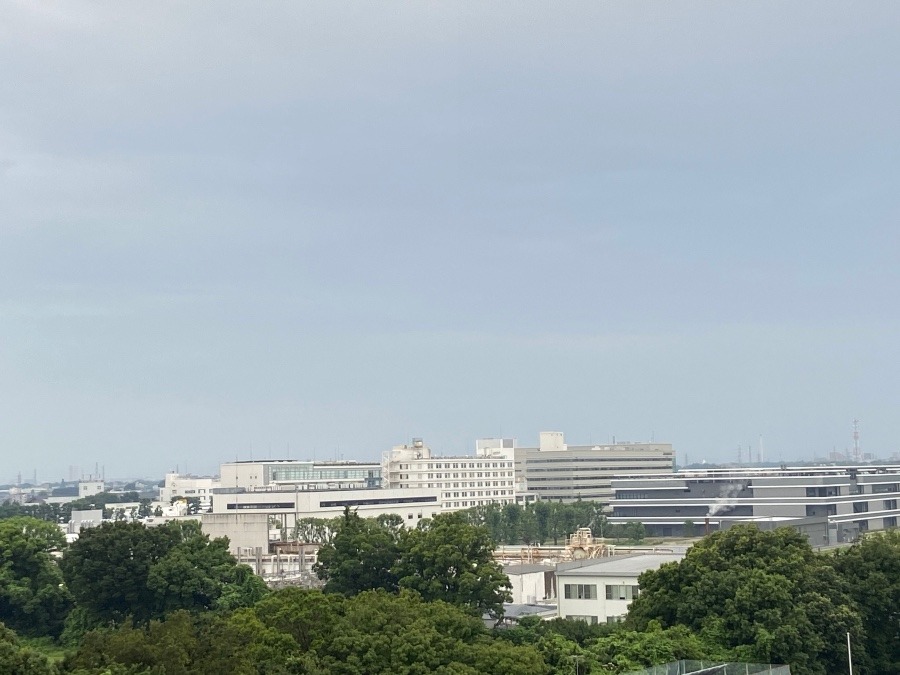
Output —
<point x="337" y="226"/>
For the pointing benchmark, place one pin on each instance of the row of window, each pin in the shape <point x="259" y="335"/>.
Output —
<point x="589" y="591"/>
<point x="459" y="465"/>
<point x="476" y="493"/>
<point x="470" y="475"/>
<point x="480" y="502"/>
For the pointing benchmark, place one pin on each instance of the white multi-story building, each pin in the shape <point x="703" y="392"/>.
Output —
<point x="557" y="471"/>
<point x="600" y="590"/>
<point x="463" y="481"/>
<point x="180" y="485"/>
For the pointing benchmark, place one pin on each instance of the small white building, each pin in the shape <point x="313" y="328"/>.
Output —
<point x="181" y="485"/>
<point x="89" y="488"/>
<point x="531" y="584"/>
<point x="600" y="590"/>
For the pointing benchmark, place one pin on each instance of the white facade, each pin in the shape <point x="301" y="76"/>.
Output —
<point x="89" y="488"/>
<point x="599" y="591"/>
<point x="180" y="485"/>
<point x="461" y="481"/>
<point x="288" y="506"/>
<point x="531" y="584"/>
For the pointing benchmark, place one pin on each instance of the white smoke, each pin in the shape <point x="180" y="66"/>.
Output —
<point x="726" y="500"/>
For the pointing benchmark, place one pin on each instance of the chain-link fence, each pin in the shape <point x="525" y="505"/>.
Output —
<point x="713" y="668"/>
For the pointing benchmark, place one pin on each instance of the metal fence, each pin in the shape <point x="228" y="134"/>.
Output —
<point x="713" y="668"/>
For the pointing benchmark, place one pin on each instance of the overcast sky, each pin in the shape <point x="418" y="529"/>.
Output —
<point x="320" y="229"/>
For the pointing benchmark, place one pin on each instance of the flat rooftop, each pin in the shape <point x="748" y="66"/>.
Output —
<point x="617" y="565"/>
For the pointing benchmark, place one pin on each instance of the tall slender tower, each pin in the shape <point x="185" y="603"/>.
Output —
<point x="857" y="458"/>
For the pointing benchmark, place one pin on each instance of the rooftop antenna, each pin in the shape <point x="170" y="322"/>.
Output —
<point x="856" y="455"/>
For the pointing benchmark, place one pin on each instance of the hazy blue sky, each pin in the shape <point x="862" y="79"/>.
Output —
<point x="324" y="228"/>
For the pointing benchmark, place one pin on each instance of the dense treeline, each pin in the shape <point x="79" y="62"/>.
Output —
<point x="130" y="600"/>
<point x="548" y="522"/>
<point x="62" y="513"/>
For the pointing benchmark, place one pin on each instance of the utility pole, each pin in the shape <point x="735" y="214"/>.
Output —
<point x="849" y="655"/>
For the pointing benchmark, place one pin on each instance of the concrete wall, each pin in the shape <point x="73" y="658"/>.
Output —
<point x="244" y="530"/>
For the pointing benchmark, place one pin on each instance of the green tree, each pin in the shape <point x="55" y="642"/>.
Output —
<point x="762" y="596"/>
<point x="16" y="659"/>
<point x="634" y="532"/>
<point x="871" y="568"/>
<point x="624" y="650"/>
<point x="122" y="569"/>
<point x="33" y="599"/>
<point x="448" y="559"/>
<point x="360" y="557"/>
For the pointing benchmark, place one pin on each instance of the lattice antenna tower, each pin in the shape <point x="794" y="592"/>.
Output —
<point x="856" y="455"/>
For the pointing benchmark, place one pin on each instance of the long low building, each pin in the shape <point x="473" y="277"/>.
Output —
<point x="831" y="504"/>
<point x="288" y="506"/>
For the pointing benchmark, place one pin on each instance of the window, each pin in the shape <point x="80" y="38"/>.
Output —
<point x="891" y="521"/>
<point x="890" y="504"/>
<point x="885" y="487"/>
<point x="580" y="592"/>
<point x="860" y="507"/>
<point x="615" y="619"/>
<point x="583" y="617"/>
<point x="621" y="592"/>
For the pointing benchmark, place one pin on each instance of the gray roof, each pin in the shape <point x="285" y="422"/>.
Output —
<point x="619" y="565"/>
<point x="527" y="568"/>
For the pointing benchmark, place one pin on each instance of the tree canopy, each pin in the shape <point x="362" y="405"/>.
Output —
<point x="446" y="559"/>
<point x="760" y="596"/>
<point x="33" y="600"/>
<point x="126" y="570"/>
<point x="871" y="569"/>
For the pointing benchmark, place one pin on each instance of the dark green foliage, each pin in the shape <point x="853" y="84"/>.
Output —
<point x="121" y="570"/>
<point x="296" y="631"/>
<point x="33" y="600"/>
<point x="542" y="522"/>
<point x="361" y="556"/>
<point x="872" y="570"/>
<point x="448" y="559"/>
<point x="16" y="659"/>
<point x="762" y="596"/>
<point x="445" y="559"/>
